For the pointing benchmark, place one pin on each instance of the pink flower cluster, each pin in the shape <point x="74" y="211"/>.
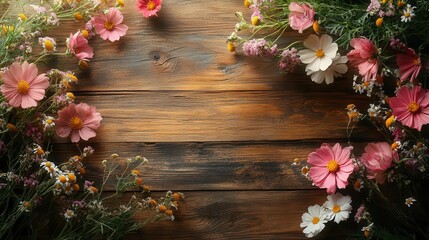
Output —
<point x="289" y="59"/>
<point x="301" y="16"/>
<point x="259" y="47"/>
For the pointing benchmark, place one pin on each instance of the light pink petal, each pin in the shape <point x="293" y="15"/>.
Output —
<point x="27" y="101"/>
<point x="36" y="93"/>
<point x="75" y="137"/>
<point x="62" y="131"/>
<point x="16" y="100"/>
<point x="86" y="133"/>
<point x="29" y="72"/>
<point x="115" y="16"/>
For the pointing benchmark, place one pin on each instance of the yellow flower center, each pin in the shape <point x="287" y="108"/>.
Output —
<point x="62" y="179"/>
<point x="315" y="220"/>
<point x="49" y="46"/>
<point x="413" y="107"/>
<point x="255" y="20"/>
<point x="407" y="14"/>
<point x="417" y="61"/>
<point x="332" y="166"/>
<point x="109" y="26"/>
<point x="320" y="53"/>
<point x="76" y="123"/>
<point x="23" y="87"/>
<point x="48" y="164"/>
<point x="85" y="33"/>
<point x="336" y="208"/>
<point x="151" y="5"/>
<point x="22" y="17"/>
<point x="71" y="177"/>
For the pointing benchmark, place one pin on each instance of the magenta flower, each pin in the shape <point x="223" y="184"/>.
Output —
<point x="149" y="8"/>
<point x="409" y="65"/>
<point x="377" y="158"/>
<point x="364" y="57"/>
<point x="22" y="86"/>
<point x="301" y="16"/>
<point x="78" y="46"/>
<point x="411" y="106"/>
<point x="78" y="121"/>
<point x="110" y="25"/>
<point x="330" y="167"/>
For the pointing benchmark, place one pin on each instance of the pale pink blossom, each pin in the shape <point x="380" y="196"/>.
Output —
<point x="411" y="106"/>
<point x="364" y="56"/>
<point x="409" y="65"/>
<point x="110" y="25"/>
<point x="149" y="8"/>
<point x="377" y="158"/>
<point x="301" y="16"/>
<point x="22" y="86"/>
<point x="77" y="121"/>
<point x="78" y="46"/>
<point x="330" y="167"/>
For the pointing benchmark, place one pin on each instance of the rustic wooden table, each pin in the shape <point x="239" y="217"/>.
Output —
<point x="220" y="127"/>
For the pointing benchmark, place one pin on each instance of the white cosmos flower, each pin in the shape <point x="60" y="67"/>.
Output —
<point x="337" y="68"/>
<point x="339" y="207"/>
<point x="314" y="221"/>
<point x="320" y="52"/>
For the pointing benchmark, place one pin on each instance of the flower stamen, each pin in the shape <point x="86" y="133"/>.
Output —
<point x="413" y="107"/>
<point x="315" y="220"/>
<point x="109" y="26"/>
<point x="76" y="123"/>
<point x="23" y="87"/>
<point x="320" y="53"/>
<point x="332" y="166"/>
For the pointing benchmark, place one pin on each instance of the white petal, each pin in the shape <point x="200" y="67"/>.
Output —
<point x="314" y="65"/>
<point x="307" y="56"/>
<point x="312" y="42"/>
<point x="318" y="77"/>
<point x="325" y="62"/>
<point x="331" y="51"/>
<point x="329" y="76"/>
<point x="325" y="41"/>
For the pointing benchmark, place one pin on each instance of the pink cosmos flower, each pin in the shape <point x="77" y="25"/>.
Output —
<point x="411" y="106"/>
<point x="78" y="46"/>
<point x="149" y="8"/>
<point x="109" y="25"/>
<point x="364" y="57"/>
<point x="78" y="121"/>
<point x="330" y="167"/>
<point x="22" y="86"/>
<point x="301" y="16"/>
<point x="409" y="65"/>
<point x="377" y="158"/>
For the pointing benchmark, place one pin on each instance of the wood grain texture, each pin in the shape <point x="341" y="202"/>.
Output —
<point x="220" y="127"/>
<point x="197" y="116"/>
<point x="208" y="166"/>
<point x="242" y="215"/>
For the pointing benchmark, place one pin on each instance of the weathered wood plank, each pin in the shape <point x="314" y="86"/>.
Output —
<point x="183" y="50"/>
<point x="207" y="166"/>
<point x="242" y="215"/>
<point x="171" y="116"/>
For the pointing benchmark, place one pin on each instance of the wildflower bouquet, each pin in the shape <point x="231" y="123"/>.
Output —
<point x="40" y="196"/>
<point x="387" y="46"/>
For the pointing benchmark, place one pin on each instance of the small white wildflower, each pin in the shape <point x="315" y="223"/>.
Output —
<point x="69" y="214"/>
<point x="408" y="13"/>
<point x="409" y="201"/>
